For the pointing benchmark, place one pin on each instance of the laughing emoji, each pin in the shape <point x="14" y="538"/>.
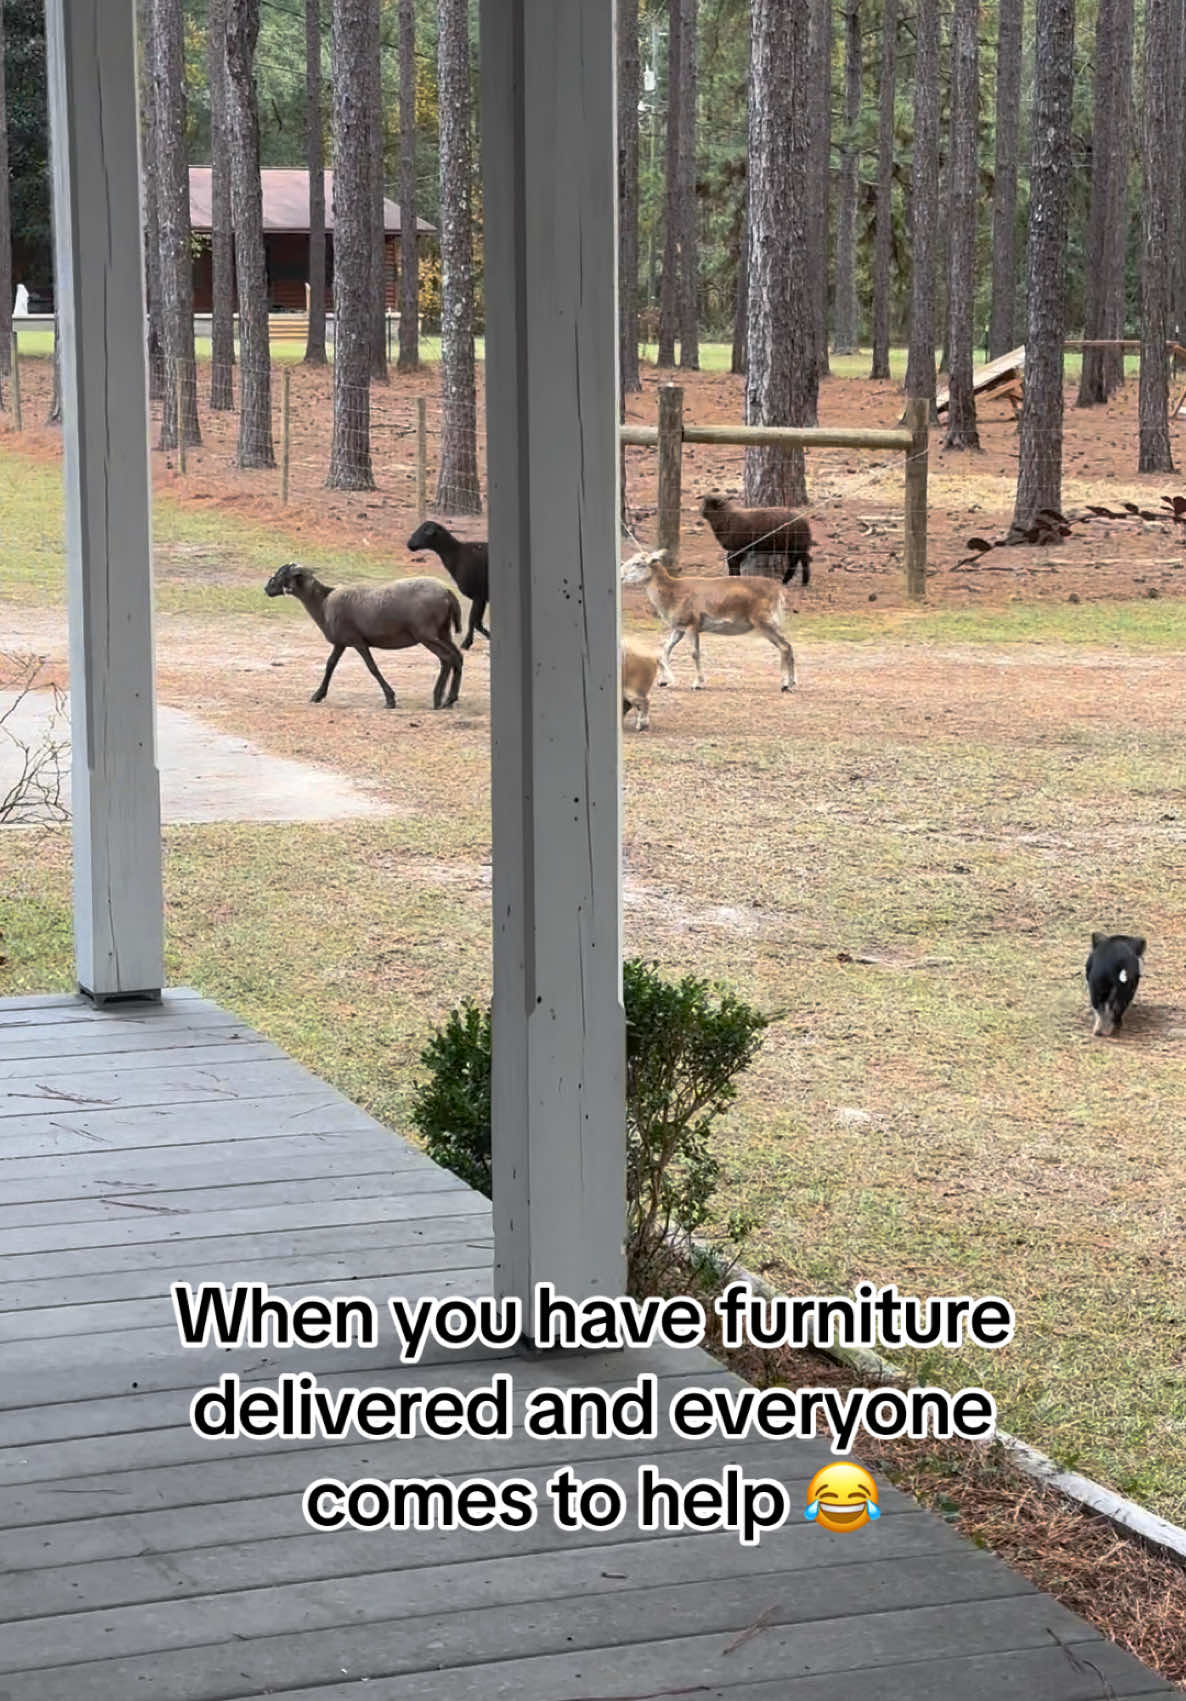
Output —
<point x="842" y="1497"/>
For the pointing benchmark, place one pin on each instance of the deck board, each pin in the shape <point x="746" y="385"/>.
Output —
<point x="143" y="1146"/>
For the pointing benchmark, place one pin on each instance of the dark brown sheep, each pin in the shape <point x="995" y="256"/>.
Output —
<point x="778" y="532"/>
<point x="381" y="617"/>
<point x="467" y="564"/>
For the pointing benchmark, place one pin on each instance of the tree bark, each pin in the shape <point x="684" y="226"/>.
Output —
<point x="315" y="157"/>
<point x="378" y="222"/>
<point x="1161" y="111"/>
<point x="222" y="329"/>
<point x="148" y="191"/>
<point x="883" y="244"/>
<point x="1177" y="187"/>
<point x="1092" y="390"/>
<point x="350" y="451"/>
<point x="255" y="354"/>
<point x="172" y="177"/>
<point x="1002" y="333"/>
<point x="669" y="282"/>
<point x="924" y="205"/>
<point x="689" y="262"/>
<point x="818" y="93"/>
<point x="458" y="490"/>
<point x="961" y="232"/>
<point x="5" y="225"/>
<point x="741" y="298"/>
<point x="845" y="319"/>
<point x="783" y="377"/>
<point x="629" y="89"/>
<point x="1178" y="230"/>
<point x="1114" y="316"/>
<point x="409" y="245"/>
<point x="1039" y="480"/>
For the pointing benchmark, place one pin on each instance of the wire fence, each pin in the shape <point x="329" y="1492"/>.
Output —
<point x="288" y="438"/>
<point x="299" y="435"/>
<point x="397" y="451"/>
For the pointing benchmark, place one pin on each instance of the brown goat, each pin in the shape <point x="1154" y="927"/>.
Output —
<point x="777" y="532"/>
<point x="692" y="606"/>
<point x="639" y="668"/>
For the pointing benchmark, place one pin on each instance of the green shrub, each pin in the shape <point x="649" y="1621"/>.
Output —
<point x="451" y="1109"/>
<point x="686" y="1042"/>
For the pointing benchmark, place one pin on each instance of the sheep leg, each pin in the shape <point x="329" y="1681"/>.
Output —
<point x="798" y="561"/>
<point x="769" y="629"/>
<point x="450" y="659"/>
<point x="698" y="682"/>
<point x="369" y="659"/>
<point x="335" y="656"/>
<point x="456" y="661"/>
<point x="673" y="638"/>
<point x="476" y="611"/>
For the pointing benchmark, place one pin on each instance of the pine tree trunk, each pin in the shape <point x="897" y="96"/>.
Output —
<point x="5" y="225"/>
<point x="222" y="328"/>
<point x="628" y="96"/>
<point x="669" y="282"/>
<point x="883" y="244"/>
<point x="350" y="451"/>
<point x="458" y="490"/>
<point x="689" y="258"/>
<point x="409" y="246"/>
<point x="1178" y="229"/>
<point x="961" y="234"/>
<point x="782" y="378"/>
<point x="255" y="354"/>
<point x="1039" y="479"/>
<point x="924" y="205"/>
<point x="1177" y="189"/>
<point x="1162" y="109"/>
<point x="1114" y="315"/>
<point x="845" y="319"/>
<point x="741" y="296"/>
<point x="148" y="192"/>
<point x="1092" y="390"/>
<point x="1002" y="333"/>
<point x="818" y="94"/>
<point x="378" y="222"/>
<point x="315" y="157"/>
<point x="172" y="179"/>
<point x="943" y="225"/>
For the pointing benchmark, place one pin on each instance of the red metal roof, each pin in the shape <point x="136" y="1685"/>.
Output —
<point x="286" y="201"/>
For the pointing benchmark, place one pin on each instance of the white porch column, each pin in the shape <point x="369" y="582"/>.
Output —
<point x="550" y="179"/>
<point x="99" y="290"/>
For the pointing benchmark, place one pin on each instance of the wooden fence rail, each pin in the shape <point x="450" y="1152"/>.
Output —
<point x="911" y="440"/>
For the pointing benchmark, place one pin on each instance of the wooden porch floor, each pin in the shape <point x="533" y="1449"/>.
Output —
<point x="137" y="1560"/>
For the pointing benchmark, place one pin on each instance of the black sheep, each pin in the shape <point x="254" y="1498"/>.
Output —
<point x="467" y="564"/>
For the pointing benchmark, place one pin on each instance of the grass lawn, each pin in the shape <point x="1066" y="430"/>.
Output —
<point x="905" y="859"/>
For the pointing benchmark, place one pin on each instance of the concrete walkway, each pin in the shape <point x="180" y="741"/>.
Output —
<point x="206" y="775"/>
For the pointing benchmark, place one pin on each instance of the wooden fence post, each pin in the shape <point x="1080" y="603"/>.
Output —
<point x="285" y="383"/>
<point x="16" y="383"/>
<point x="421" y="459"/>
<point x="916" y="422"/>
<point x="671" y="451"/>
